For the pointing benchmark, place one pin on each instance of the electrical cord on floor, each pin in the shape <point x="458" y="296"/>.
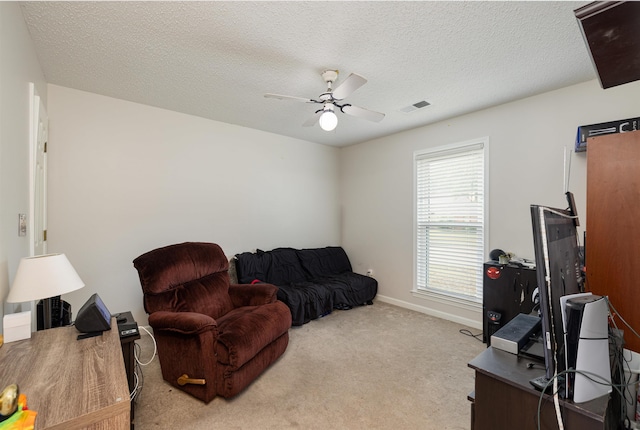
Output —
<point x="138" y="385"/>
<point x="137" y="372"/>
<point x="155" y="349"/>
<point x="466" y="332"/>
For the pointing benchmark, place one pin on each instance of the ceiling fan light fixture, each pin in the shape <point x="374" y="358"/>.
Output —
<point x="328" y="120"/>
<point x="332" y="99"/>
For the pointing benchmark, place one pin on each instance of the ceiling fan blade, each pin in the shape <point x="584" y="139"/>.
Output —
<point x="293" y="98"/>
<point x="313" y="120"/>
<point x="349" y="85"/>
<point x="363" y="113"/>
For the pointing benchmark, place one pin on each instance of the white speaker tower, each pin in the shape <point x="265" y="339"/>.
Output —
<point x="587" y="345"/>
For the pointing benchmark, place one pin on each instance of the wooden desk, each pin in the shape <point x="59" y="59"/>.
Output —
<point x="505" y="400"/>
<point x="71" y="384"/>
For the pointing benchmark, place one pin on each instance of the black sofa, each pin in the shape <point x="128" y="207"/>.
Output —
<point x="312" y="282"/>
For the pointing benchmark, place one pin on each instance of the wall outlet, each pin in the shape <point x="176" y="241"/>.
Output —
<point x="22" y="225"/>
<point x="370" y="272"/>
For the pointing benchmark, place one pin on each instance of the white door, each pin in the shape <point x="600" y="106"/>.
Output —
<point x="38" y="175"/>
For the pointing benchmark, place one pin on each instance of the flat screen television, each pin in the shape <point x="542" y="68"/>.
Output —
<point x="559" y="273"/>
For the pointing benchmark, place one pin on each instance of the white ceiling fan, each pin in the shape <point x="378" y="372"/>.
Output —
<point x="330" y="101"/>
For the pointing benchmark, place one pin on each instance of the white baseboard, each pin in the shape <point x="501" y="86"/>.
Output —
<point x="433" y="312"/>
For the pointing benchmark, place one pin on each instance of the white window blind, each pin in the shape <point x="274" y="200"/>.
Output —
<point x="450" y="215"/>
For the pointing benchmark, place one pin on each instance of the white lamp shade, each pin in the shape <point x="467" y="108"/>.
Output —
<point x="43" y="276"/>
<point x="328" y="120"/>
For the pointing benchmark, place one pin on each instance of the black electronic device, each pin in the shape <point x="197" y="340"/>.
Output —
<point x="93" y="316"/>
<point x="572" y="208"/>
<point x="492" y="324"/>
<point x="127" y="326"/>
<point x="534" y="348"/>
<point x="516" y="333"/>
<point x="60" y="313"/>
<point x="541" y="383"/>
<point x="130" y="330"/>
<point x="559" y="274"/>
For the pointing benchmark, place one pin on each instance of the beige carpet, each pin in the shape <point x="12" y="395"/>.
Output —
<point x="372" y="367"/>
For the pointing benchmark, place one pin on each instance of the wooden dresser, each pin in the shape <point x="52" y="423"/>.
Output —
<point x="71" y="384"/>
<point x="613" y="225"/>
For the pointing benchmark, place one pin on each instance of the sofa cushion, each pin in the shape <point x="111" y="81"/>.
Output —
<point x="350" y="289"/>
<point x="174" y="265"/>
<point x="331" y="260"/>
<point x="251" y="266"/>
<point x="238" y="339"/>
<point x="285" y="267"/>
<point x="187" y="277"/>
<point x="307" y="300"/>
<point x="208" y="296"/>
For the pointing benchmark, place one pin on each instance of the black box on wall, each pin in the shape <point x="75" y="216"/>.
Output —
<point x="620" y="126"/>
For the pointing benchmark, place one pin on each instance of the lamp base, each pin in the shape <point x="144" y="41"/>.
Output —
<point x="53" y="312"/>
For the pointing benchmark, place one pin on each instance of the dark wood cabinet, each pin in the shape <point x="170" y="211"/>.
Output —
<point x="612" y="243"/>
<point x="508" y="291"/>
<point x="503" y="399"/>
<point x="610" y="30"/>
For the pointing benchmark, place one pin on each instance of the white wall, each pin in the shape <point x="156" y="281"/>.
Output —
<point x="18" y="66"/>
<point x="527" y="143"/>
<point x="125" y="178"/>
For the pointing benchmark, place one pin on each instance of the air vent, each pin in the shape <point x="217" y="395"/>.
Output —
<point x="415" y="106"/>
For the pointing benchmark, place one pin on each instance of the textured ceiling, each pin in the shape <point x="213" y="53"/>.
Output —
<point x="218" y="59"/>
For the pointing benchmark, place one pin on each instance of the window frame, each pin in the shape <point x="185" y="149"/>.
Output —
<point x="467" y="302"/>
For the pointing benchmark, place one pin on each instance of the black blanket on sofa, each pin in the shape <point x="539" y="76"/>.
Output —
<point x="312" y="282"/>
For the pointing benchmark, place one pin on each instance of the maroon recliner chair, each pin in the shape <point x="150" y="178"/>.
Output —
<point x="213" y="338"/>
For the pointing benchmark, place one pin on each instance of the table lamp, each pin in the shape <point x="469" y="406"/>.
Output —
<point x="44" y="277"/>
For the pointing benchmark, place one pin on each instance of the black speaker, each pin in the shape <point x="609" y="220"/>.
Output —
<point x="492" y="324"/>
<point x="93" y="316"/>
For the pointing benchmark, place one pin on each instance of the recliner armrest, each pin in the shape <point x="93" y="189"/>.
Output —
<point x="252" y="294"/>
<point x="189" y="323"/>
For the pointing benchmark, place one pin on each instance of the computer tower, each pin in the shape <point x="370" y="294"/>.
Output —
<point x="507" y="291"/>
<point x="587" y="347"/>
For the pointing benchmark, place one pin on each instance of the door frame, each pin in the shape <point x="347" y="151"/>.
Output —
<point x="38" y="128"/>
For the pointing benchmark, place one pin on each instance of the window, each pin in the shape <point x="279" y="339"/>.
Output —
<point x="450" y="220"/>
